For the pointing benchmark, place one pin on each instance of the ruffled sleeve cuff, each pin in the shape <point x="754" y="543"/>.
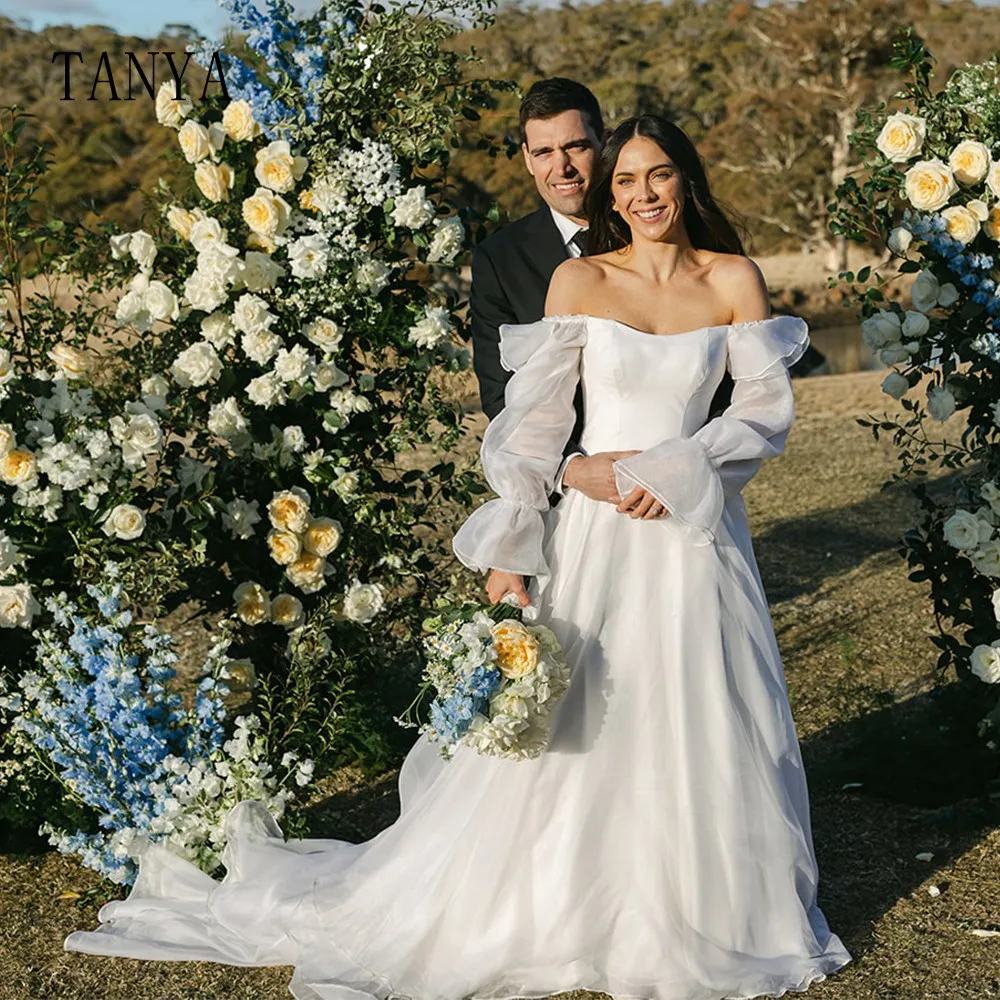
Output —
<point x="762" y="348"/>
<point x="504" y="536"/>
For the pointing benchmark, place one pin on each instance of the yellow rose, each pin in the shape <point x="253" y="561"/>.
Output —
<point x="287" y="611"/>
<point x="306" y="201"/>
<point x="18" y="467"/>
<point x="170" y="110"/>
<point x="970" y="161"/>
<point x="70" y="361"/>
<point x="289" y="511"/>
<point x="929" y="184"/>
<point x="238" y="121"/>
<point x="962" y="224"/>
<point x="901" y="137"/>
<point x="322" y="536"/>
<point x="253" y="603"/>
<point x="285" y="547"/>
<point x="239" y="675"/>
<point x="517" y="649"/>
<point x="181" y="220"/>
<point x="214" y="180"/>
<point x="277" y="169"/>
<point x="992" y="224"/>
<point x="266" y="213"/>
<point x="307" y="573"/>
<point x="193" y="139"/>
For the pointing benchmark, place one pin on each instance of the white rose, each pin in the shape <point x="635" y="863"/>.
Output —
<point x="308" y="255"/>
<point x="285" y="547"/>
<point x="993" y="179"/>
<point x="328" y="376"/>
<point x="124" y="522"/>
<point x="985" y="662"/>
<point x="266" y="390"/>
<point x="979" y="209"/>
<point x="260" y="272"/>
<point x="372" y="276"/>
<point x="73" y="363"/>
<point x="324" y="333"/>
<point x="8" y="439"/>
<point x="896" y="354"/>
<point x="194" y="142"/>
<point x="217" y="328"/>
<point x="363" y="601"/>
<point x="289" y="510"/>
<point x="293" y="439"/>
<point x="120" y="245"/>
<point x="962" y="224"/>
<point x="287" y="611"/>
<point x="929" y="184"/>
<point x="986" y="558"/>
<point x="251" y="314"/>
<point x="277" y="169"/>
<point x="18" y="467"/>
<point x="8" y="554"/>
<point x="925" y="291"/>
<point x="322" y="536"/>
<point x="295" y="365"/>
<point x="227" y="421"/>
<point x="940" y="403"/>
<point x="17" y="606"/>
<point x="142" y="247"/>
<point x="154" y="392"/>
<point x="260" y="346"/>
<point x="181" y="221"/>
<point x="990" y="492"/>
<point x="266" y="213"/>
<point x="413" y="209"/>
<point x="214" y="180"/>
<point x="877" y="331"/>
<point x="969" y="161"/>
<point x="915" y="324"/>
<point x="902" y="137"/>
<point x="948" y="295"/>
<point x="207" y="234"/>
<point x="169" y="110"/>
<point x="899" y="241"/>
<point x="449" y="237"/>
<point x="139" y="437"/>
<point x="962" y="531"/>
<point x="240" y="517"/>
<point x="196" y="366"/>
<point x="237" y="120"/>
<point x="204" y="291"/>
<point x="253" y="603"/>
<point x="433" y="328"/>
<point x="308" y="573"/>
<point x="895" y="385"/>
<point x="160" y="302"/>
<point x="996" y="604"/>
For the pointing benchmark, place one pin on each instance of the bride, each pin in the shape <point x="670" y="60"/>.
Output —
<point x="661" y="847"/>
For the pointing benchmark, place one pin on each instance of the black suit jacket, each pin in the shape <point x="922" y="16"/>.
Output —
<point x="511" y="272"/>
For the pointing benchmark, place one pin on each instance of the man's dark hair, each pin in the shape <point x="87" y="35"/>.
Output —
<point x="548" y="98"/>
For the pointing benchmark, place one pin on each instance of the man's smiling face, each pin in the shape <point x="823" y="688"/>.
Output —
<point x="559" y="153"/>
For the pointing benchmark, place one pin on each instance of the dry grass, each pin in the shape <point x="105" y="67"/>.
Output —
<point x="853" y="631"/>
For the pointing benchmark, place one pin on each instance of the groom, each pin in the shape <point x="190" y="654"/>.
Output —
<point x="561" y="134"/>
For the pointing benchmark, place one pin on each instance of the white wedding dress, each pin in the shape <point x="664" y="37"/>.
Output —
<point x="660" y="848"/>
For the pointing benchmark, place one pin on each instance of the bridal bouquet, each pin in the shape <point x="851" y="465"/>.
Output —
<point x="497" y="682"/>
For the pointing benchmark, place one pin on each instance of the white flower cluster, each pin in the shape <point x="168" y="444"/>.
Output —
<point x="974" y="533"/>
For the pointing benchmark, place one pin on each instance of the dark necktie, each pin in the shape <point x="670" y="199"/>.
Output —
<point x="579" y="240"/>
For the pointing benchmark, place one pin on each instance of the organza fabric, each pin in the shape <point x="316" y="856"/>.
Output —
<point x="661" y="847"/>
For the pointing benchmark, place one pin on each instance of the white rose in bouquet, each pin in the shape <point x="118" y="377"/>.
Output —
<point x="915" y="324"/>
<point x="414" y="209"/>
<point x="72" y="362"/>
<point x="929" y="185"/>
<point x="986" y="558"/>
<point x="947" y="296"/>
<point x="181" y="221"/>
<point x="240" y="517"/>
<point x="7" y="370"/>
<point x="251" y="314"/>
<point x="214" y="180"/>
<point x="324" y="333"/>
<point x="902" y="137"/>
<point x="993" y="179"/>
<point x="139" y="436"/>
<point x="266" y="390"/>
<point x="285" y="546"/>
<point x="996" y="604"/>
<point x="8" y="439"/>
<point x="293" y="438"/>
<point x="328" y="376"/>
<point x="295" y="365"/>
<point x="253" y="603"/>
<point x="170" y="110"/>
<point x="962" y="224"/>
<point x="160" y="302"/>
<point x="925" y="291"/>
<point x="198" y="142"/>
<point x="979" y="209"/>
<point x="217" y="328"/>
<point x="287" y="611"/>
<point x="266" y="213"/>
<point x="227" y="421"/>
<point x="237" y="120"/>
<point x="207" y="233"/>
<point x="447" y="242"/>
<point x="260" y="272"/>
<point x="970" y="161"/>
<point x="940" y="403"/>
<point x="196" y="366"/>
<point x="964" y="531"/>
<point x="308" y="255"/>
<point x="432" y="329"/>
<point x="142" y="247"/>
<point x="881" y="329"/>
<point x="124" y="522"/>
<point x="154" y="392"/>
<point x="204" y="291"/>
<point x="322" y="536"/>
<point x="120" y="245"/>
<point x="990" y="492"/>
<point x="277" y="168"/>
<point x="895" y="385"/>
<point x="985" y="662"/>
<point x="17" y="606"/>
<point x="289" y="510"/>
<point x="261" y="346"/>
<point x="363" y="601"/>
<point x="897" y="354"/>
<point x="18" y="467"/>
<point x="373" y="276"/>
<point x="899" y="241"/>
<point x="308" y="573"/>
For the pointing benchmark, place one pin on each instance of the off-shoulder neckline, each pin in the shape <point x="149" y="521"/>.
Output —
<point x="666" y="336"/>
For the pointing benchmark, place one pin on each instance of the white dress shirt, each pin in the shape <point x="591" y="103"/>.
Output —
<point x="567" y="230"/>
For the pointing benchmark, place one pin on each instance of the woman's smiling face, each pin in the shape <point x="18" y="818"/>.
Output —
<point x="647" y="190"/>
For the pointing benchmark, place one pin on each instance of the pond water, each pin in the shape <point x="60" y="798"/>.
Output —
<point x="844" y="349"/>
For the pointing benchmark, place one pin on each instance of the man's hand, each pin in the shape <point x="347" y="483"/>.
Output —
<point x="592" y="475"/>
<point x="641" y="503"/>
<point x="499" y="584"/>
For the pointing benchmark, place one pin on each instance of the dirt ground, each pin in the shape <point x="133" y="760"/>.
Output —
<point x="887" y="781"/>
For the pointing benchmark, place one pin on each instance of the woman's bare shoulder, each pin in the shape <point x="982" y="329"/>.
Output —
<point x="571" y="284"/>
<point x="738" y="281"/>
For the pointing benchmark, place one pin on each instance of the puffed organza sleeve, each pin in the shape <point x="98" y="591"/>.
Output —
<point x="691" y="476"/>
<point x="522" y="447"/>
